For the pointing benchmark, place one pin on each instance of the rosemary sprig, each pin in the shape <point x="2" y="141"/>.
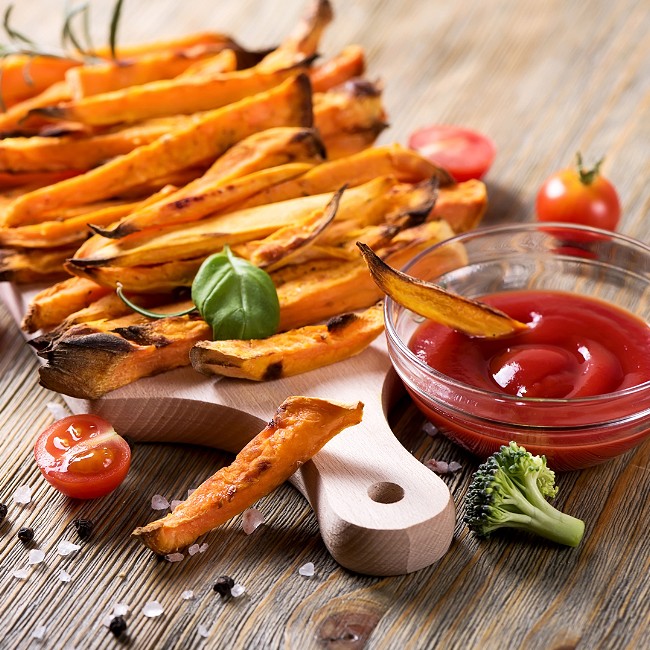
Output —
<point x="115" y="21"/>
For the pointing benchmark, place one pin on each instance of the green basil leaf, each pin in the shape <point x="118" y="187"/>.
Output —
<point x="236" y="298"/>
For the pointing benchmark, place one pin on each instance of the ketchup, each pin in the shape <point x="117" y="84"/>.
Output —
<point x="574" y="347"/>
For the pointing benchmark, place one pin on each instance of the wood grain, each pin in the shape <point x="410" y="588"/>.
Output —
<point x="544" y="80"/>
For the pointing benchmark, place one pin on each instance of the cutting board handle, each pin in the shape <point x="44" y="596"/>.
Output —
<point x="380" y="510"/>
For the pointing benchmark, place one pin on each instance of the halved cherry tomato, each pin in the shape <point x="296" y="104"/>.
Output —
<point x="464" y="153"/>
<point x="576" y="195"/>
<point x="82" y="456"/>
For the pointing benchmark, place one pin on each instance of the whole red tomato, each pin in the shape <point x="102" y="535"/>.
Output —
<point x="580" y="196"/>
<point x="82" y="456"/>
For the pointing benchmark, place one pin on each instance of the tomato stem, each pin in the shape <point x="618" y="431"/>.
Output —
<point x="587" y="176"/>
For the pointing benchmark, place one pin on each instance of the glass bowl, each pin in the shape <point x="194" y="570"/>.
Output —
<point x="573" y="433"/>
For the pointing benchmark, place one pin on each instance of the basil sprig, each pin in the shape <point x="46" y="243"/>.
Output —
<point x="235" y="297"/>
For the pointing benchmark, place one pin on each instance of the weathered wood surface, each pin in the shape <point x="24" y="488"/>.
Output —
<point x="544" y="80"/>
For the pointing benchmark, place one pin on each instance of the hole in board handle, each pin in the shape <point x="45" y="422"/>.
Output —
<point x="386" y="492"/>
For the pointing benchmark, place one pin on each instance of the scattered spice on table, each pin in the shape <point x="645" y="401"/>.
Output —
<point x="84" y="528"/>
<point x="223" y="586"/>
<point x="26" y="535"/>
<point x="117" y="625"/>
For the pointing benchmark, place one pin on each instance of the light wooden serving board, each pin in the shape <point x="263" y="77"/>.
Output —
<point x="380" y="511"/>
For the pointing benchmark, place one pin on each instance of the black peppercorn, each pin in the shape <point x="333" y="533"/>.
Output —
<point x="25" y="535"/>
<point x="3" y="511"/>
<point x="117" y="625"/>
<point x="84" y="528"/>
<point x="223" y="585"/>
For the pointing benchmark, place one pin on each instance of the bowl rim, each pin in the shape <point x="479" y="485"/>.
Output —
<point x="405" y="352"/>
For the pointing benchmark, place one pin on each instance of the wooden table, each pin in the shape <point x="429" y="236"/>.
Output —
<point x="544" y="79"/>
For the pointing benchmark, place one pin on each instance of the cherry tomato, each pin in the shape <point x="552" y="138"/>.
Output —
<point x="463" y="153"/>
<point x="576" y="195"/>
<point x="82" y="456"/>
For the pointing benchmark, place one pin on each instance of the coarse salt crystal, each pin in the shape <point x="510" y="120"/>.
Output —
<point x="203" y="631"/>
<point x="438" y="466"/>
<point x="204" y="547"/>
<point x="188" y="594"/>
<point x="21" y="574"/>
<point x="194" y="549"/>
<point x="174" y="557"/>
<point x="454" y="466"/>
<point x="66" y="548"/>
<point x="307" y="570"/>
<point x="251" y="520"/>
<point x="23" y="495"/>
<point x="58" y="411"/>
<point x="152" y="609"/>
<point x="175" y="503"/>
<point x="39" y="632"/>
<point x="64" y="576"/>
<point x="159" y="502"/>
<point x="189" y="492"/>
<point x="106" y="621"/>
<point x="120" y="609"/>
<point x="237" y="590"/>
<point x="430" y="429"/>
<point x="36" y="556"/>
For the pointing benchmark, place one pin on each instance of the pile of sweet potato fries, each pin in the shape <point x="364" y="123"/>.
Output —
<point x="135" y="170"/>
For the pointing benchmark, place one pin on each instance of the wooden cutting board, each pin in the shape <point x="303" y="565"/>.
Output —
<point x="380" y="511"/>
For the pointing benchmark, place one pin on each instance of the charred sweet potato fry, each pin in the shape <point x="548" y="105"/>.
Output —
<point x="346" y="65"/>
<point x="180" y="96"/>
<point x="302" y="42"/>
<point x="299" y="429"/>
<point x="289" y="104"/>
<point x="71" y="226"/>
<point x="72" y="151"/>
<point x="89" y="80"/>
<point x="24" y="76"/>
<point x="24" y="265"/>
<point x="265" y="150"/>
<point x="292" y="352"/>
<point x="208" y="198"/>
<point x="90" y="359"/>
<point x="50" y="306"/>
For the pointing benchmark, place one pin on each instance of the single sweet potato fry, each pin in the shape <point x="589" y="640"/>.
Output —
<point x="293" y="352"/>
<point x="300" y="428"/>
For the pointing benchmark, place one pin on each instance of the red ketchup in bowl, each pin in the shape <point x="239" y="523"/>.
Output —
<point x="575" y="354"/>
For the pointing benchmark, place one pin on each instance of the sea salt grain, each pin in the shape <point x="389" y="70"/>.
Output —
<point x="175" y="503"/>
<point x="203" y="631"/>
<point x="204" y="547"/>
<point x="430" y="429"/>
<point x="159" y="502"/>
<point x="454" y="466"/>
<point x="251" y="520"/>
<point x="194" y="549"/>
<point x="21" y="574"/>
<point x="187" y="595"/>
<point x="442" y="467"/>
<point x="36" y="556"/>
<point x="23" y="495"/>
<point x="39" y="632"/>
<point x="237" y="590"/>
<point x="174" y="557"/>
<point x="307" y="570"/>
<point x="152" y="609"/>
<point x="120" y="609"/>
<point x="66" y="548"/>
<point x="64" y="576"/>
<point x="58" y="411"/>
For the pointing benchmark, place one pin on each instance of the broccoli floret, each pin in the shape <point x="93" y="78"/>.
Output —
<point x="510" y="490"/>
